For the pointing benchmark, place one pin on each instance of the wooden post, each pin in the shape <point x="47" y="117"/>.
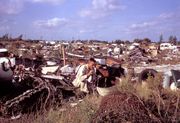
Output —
<point x="64" y="55"/>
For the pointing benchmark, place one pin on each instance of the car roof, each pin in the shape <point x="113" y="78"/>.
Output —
<point x="3" y="50"/>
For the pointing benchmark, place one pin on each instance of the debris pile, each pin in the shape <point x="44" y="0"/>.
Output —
<point x="137" y="56"/>
<point x="126" y="107"/>
<point x="44" y="72"/>
<point x="33" y="94"/>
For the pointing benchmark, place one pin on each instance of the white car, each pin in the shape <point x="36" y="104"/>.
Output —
<point x="167" y="46"/>
<point x="6" y="74"/>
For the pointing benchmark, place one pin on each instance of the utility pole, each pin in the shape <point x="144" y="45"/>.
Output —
<point x="64" y="55"/>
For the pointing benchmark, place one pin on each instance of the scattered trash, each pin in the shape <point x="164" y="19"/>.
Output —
<point x="44" y="71"/>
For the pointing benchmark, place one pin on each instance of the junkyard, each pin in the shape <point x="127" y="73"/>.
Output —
<point x="89" y="61"/>
<point x="36" y="77"/>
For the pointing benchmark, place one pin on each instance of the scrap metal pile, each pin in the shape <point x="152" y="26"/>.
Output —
<point x="31" y="91"/>
<point x="34" y="94"/>
<point x="138" y="55"/>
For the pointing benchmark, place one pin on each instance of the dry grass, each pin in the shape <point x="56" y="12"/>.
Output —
<point x="150" y="87"/>
<point x="125" y="85"/>
<point x="83" y="112"/>
<point x="121" y="108"/>
<point x="162" y="104"/>
<point x="134" y="103"/>
<point x="80" y="113"/>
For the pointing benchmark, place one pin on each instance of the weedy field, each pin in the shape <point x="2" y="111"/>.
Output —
<point x="132" y="103"/>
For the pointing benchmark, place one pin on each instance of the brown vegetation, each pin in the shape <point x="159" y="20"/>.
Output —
<point x="140" y="103"/>
<point x="135" y="102"/>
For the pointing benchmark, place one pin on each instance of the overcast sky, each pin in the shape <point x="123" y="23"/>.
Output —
<point x="90" y="19"/>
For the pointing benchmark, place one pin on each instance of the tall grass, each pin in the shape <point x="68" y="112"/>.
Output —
<point x="80" y="113"/>
<point x="161" y="104"/>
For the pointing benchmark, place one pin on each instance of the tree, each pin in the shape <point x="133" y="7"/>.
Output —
<point x="5" y="37"/>
<point x="161" y="38"/>
<point x="137" y="40"/>
<point x="147" y="40"/>
<point x="127" y="42"/>
<point x="19" y="37"/>
<point x="119" y="41"/>
<point x="170" y="38"/>
<point x="173" y="39"/>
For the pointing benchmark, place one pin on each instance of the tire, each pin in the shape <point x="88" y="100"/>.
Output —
<point x="143" y="76"/>
<point x="5" y="66"/>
